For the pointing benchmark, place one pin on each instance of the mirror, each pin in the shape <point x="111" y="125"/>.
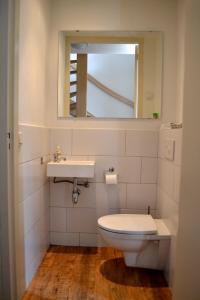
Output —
<point x="110" y="75"/>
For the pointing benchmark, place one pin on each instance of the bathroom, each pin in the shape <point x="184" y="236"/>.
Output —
<point x="153" y="160"/>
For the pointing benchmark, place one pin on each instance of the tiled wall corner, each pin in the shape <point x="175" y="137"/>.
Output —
<point x="168" y="190"/>
<point x="34" y="196"/>
<point x="133" y="154"/>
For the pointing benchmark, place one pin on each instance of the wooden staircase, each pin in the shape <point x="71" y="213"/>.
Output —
<point x="78" y="105"/>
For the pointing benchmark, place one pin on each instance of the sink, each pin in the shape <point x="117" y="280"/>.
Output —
<point x="71" y="168"/>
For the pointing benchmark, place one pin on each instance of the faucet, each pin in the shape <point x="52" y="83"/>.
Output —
<point x="57" y="155"/>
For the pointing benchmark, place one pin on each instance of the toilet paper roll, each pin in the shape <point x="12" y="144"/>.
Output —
<point x="110" y="178"/>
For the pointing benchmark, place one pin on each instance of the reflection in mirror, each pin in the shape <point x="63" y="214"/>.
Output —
<point x="110" y="76"/>
<point x="102" y="80"/>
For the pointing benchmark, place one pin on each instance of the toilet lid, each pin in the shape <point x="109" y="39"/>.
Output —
<point x="128" y="223"/>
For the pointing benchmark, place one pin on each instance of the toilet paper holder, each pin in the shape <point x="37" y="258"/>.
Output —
<point x="110" y="176"/>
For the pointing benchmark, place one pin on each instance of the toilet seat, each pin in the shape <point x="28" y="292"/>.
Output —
<point x="132" y="224"/>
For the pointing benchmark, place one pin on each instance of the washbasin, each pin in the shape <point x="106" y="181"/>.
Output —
<point x="71" y="168"/>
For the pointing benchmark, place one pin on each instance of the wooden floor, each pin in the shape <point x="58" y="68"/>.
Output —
<point x="82" y="273"/>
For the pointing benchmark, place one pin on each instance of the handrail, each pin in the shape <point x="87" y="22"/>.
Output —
<point x="107" y="90"/>
<point x="110" y="92"/>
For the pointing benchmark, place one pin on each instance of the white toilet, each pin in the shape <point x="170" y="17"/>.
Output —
<point x="143" y="240"/>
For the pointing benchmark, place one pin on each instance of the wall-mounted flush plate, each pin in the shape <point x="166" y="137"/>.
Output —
<point x="169" y="149"/>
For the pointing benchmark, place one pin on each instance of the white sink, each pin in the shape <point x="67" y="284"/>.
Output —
<point x="71" y="168"/>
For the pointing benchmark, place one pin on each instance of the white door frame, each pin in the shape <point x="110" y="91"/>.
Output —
<point x="8" y="128"/>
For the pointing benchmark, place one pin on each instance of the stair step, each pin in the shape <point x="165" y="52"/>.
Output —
<point x="73" y="72"/>
<point x="73" y="61"/>
<point x="73" y="83"/>
<point x="72" y="94"/>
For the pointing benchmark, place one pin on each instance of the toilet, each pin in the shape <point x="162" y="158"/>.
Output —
<point x="143" y="240"/>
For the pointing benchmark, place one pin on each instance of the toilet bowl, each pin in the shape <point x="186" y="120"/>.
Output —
<point x="143" y="240"/>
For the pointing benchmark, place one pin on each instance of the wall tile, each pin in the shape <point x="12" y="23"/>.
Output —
<point x="166" y="176"/>
<point x="32" y="177"/>
<point x="168" y="210"/>
<point x="62" y="138"/>
<point x="20" y="263"/>
<point x="35" y="143"/>
<point x="92" y="240"/>
<point x="61" y="194"/>
<point x="82" y="220"/>
<point x="127" y="168"/>
<point x="44" y="203"/>
<point x="98" y="142"/>
<point x="58" y="219"/>
<point x="139" y="211"/>
<point x="102" y="164"/>
<point x="32" y="244"/>
<point x="116" y="195"/>
<point x="141" y="143"/>
<point x="149" y="170"/>
<point x="44" y="233"/>
<point x="88" y="239"/>
<point x="31" y="270"/>
<point x="130" y="169"/>
<point x="31" y="210"/>
<point x="65" y="239"/>
<point x="140" y="196"/>
<point x="177" y="181"/>
<point x="34" y="192"/>
<point x="100" y="195"/>
<point x="168" y="190"/>
<point x="178" y="146"/>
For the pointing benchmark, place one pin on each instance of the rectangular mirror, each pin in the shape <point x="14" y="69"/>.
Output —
<point x="110" y="75"/>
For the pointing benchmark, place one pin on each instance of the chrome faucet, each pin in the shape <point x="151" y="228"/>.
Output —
<point x="57" y="155"/>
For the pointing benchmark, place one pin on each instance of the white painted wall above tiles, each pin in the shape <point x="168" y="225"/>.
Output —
<point x="114" y="15"/>
<point x="132" y="153"/>
<point x="33" y="37"/>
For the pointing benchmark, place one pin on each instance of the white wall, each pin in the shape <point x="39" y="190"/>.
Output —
<point x="180" y="59"/>
<point x="114" y="15"/>
<point x="33" y="38"/>
<point x="188" y="246"/>
<point x="32" y="206"/>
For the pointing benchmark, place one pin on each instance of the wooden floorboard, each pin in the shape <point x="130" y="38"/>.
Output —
<point x="83" y="273"/>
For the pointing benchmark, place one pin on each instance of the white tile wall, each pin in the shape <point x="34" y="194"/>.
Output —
<point x="168" y="190"/>
<point x="60" y="195"/>
<point x="98" y="142"/>
<point x="88" y="239"/>
<point x="140" y="196"/>
<point x="34" y="196"/>
<point x="65" y="239"/>
<point x="82" y="220"/>
<point x="149" y="170"/>
<point x="132" y="153"/>
<point x="58" y="219"/>
<point x="141" y="143"/>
